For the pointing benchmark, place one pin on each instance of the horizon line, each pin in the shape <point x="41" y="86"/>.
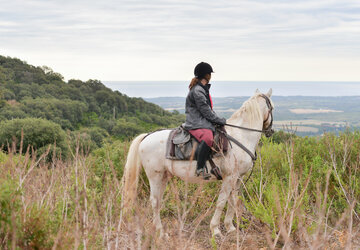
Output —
<point x="231" y="81"/>
<point x="250" y="96"/>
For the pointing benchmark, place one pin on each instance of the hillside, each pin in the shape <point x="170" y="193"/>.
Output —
<point x="28" y="91"/>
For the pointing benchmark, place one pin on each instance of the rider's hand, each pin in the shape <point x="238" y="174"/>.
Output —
<point x="222" y="121"/>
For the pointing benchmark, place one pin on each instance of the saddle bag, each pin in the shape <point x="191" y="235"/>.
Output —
<point x="221" y="142"/>
<point x="179" y="145"/>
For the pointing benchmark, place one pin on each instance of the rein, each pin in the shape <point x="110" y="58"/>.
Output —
<point x="249" y="129"/>
<point x="253" y="156"/>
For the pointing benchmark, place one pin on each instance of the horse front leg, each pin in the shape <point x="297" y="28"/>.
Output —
<point x="232" y="202"/>
<point x="225" y="191"/>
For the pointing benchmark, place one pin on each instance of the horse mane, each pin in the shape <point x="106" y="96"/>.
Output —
<point x="250" y="109"/>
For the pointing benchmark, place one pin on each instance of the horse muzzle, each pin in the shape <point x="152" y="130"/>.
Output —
<point x="269" y="132"/>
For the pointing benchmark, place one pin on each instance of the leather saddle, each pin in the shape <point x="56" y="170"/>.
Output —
<point x="181" y="145"/>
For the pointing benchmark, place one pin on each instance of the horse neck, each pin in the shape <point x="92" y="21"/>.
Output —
<point x="249" y="139"/>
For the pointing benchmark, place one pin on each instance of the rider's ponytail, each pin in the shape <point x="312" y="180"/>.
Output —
<point x="193" y="82"/>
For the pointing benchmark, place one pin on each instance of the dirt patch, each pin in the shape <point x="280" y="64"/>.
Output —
<point x="13" y="103"/>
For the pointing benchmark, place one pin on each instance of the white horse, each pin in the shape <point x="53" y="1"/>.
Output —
<point x="148" y="150"/>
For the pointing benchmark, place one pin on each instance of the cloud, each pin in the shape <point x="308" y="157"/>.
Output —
<point x="171" y="32"/>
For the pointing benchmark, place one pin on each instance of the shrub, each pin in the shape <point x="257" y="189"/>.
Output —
<point x="9" y="204"/>
<point x="38" y="133"/>
<point x="36" y="230"/>
<point x="124" y="128"/>
<point x="292" y="177"/>
<point x="88" y="139"/>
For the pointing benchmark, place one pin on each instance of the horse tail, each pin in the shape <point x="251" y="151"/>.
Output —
<point x="131" y="173"/>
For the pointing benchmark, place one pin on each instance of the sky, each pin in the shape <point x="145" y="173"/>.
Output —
<point x="117" y="40"/>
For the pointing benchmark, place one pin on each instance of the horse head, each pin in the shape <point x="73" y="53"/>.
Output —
<point x="256" y="113"/>
<point x="268" y="117"/>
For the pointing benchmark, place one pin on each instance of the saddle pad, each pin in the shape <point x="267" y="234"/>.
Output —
<point x="170" y="147"/>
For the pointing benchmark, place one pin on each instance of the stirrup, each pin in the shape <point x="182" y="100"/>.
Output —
<point x="205" y="174"/>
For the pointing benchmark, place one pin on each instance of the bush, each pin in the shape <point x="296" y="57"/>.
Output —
<point x="98" y="135"/>
<point x="38" y="133"/>
<point x="36" y="230"/>
<point x="112" y="152"/>
<point x="125" y="128"/>
<point x="281" y="136"/>
<point x="11" y="112"/>
<point x="293" y="175"/>
<point x="88" y="139"/>
<point x="9" y="205"/>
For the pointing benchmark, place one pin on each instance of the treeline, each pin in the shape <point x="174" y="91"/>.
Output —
<point x="27" y="91"/>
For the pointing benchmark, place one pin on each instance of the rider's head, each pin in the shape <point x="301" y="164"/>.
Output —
<point x="203" y="70"/>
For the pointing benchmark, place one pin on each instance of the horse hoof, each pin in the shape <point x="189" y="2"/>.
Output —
<point x="231" y="230"/>
<point x="217" y="233"/>
<point x="164" y="236"/>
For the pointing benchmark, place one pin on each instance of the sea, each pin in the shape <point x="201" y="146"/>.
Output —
<point x="152" y="89"/>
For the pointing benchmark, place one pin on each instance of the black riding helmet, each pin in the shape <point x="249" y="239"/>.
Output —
<point x="202" y="69"/>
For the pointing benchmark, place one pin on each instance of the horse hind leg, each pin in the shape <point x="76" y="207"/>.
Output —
<point x="157" y="187"/>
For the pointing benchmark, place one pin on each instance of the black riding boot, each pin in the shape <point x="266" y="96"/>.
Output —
<point x="202" y="155"/>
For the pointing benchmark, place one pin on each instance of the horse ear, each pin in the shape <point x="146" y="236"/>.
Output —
<point x="269" y="93"/>
<point x="257" y="91"/>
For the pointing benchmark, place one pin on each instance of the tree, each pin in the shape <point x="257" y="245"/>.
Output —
<point x="2" y="99"/>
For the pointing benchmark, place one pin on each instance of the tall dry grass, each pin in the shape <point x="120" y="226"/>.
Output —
<point x="76" y="203"/>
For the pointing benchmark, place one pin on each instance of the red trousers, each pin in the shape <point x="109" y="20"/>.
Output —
<point x="203" y="134"/>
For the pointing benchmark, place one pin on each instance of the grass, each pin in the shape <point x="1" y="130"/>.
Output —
<point x="304" y="193"/>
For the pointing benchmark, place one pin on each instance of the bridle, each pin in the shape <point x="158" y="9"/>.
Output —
<point x="268" y="131"/>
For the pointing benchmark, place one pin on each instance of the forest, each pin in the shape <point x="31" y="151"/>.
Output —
<point x="64" y="146"/>
<point x="52" y="108"/>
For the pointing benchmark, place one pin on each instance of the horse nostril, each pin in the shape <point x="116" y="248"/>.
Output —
<point x="269" y="133"/>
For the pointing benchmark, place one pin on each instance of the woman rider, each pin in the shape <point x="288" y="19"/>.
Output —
<point x="200" y="117"/>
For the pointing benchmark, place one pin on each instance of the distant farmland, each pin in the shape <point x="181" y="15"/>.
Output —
<point x="304" y="115"/>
